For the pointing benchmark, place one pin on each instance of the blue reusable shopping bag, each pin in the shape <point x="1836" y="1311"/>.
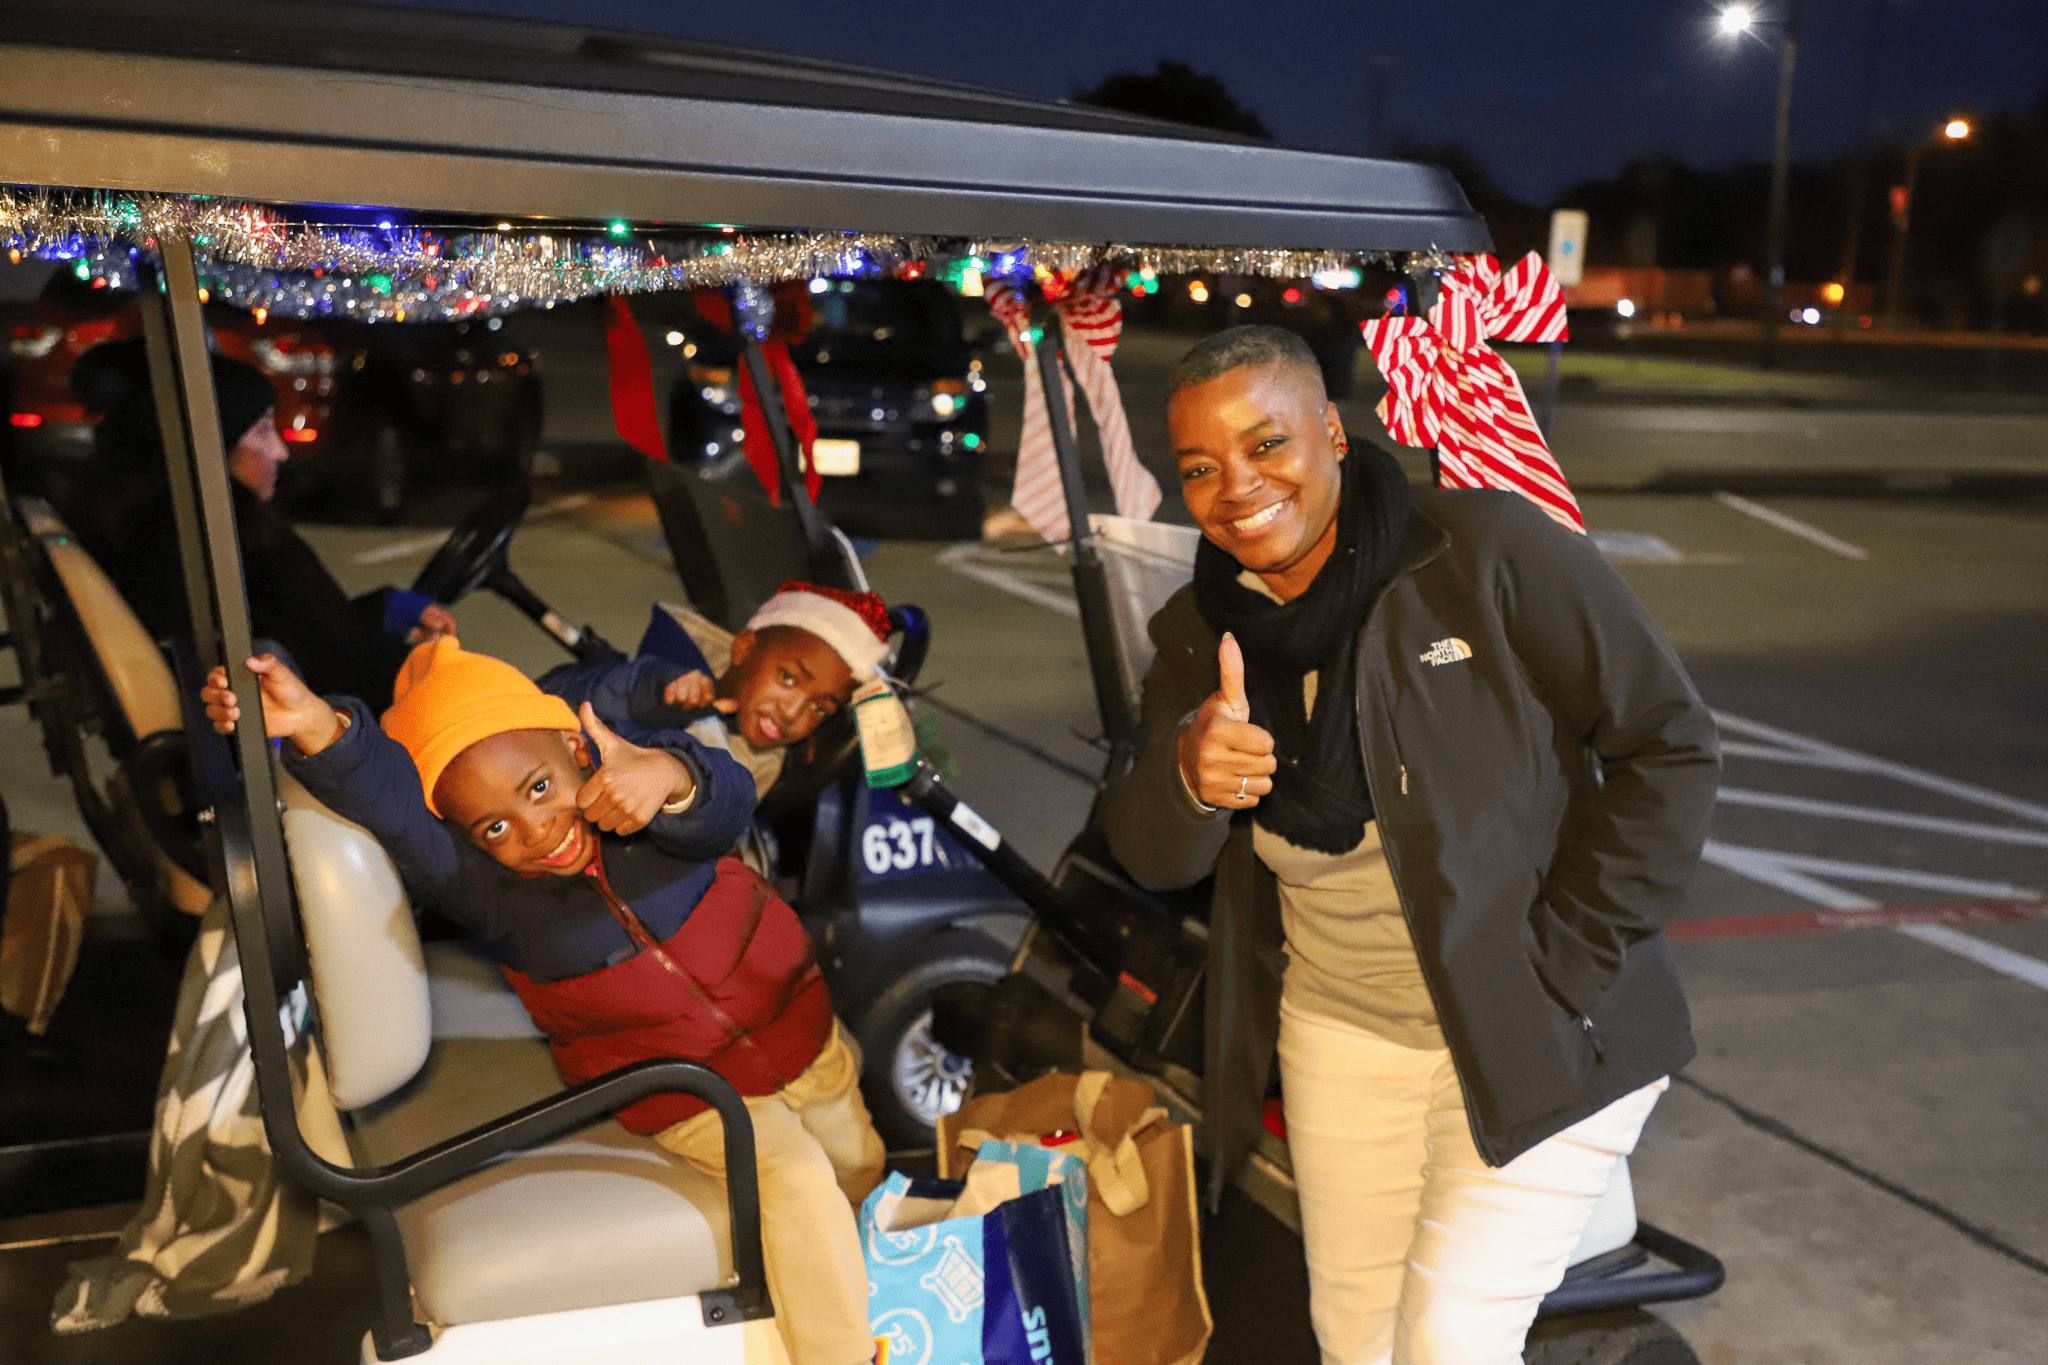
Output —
<point x="1001" y="1288"/>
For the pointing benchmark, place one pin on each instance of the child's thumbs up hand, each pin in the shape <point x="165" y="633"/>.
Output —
<point x="633" y="783"/>
<point x="1225" y="759"/>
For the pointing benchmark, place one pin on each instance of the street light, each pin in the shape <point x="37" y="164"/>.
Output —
<point x="1954" y="130"/>
<point x="1736" y="21"/>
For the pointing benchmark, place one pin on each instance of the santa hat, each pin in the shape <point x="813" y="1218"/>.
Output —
<point x="446" y="699"/>
<point x="855" y="624"/>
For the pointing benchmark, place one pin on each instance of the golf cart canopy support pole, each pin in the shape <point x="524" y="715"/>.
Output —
<point x="1091" y="579"/>
<point x="256" y="873"/>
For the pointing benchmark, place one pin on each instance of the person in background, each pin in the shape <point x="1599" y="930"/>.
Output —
<point x="124" y="519"/>
<point x="1451" y="780"/>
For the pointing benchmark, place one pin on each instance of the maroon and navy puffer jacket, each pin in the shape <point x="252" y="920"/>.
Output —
<point x="737" y="988"/>
<point x="667" y="949"/>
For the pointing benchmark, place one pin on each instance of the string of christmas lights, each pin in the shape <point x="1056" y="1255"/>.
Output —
<point x="253" y="255"/>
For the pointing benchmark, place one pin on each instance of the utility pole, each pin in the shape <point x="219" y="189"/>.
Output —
<point x="1781" y="174"/>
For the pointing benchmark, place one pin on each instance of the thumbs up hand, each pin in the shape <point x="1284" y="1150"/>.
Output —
<point x="1225" y="759"/>
<point x="632" y="784"/>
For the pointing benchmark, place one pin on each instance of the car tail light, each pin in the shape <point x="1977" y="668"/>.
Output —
<point x="290" y="355"/>
<point x="33" y="343"/>
<point x="714" y="384"/>
<point x="27" y="419"/>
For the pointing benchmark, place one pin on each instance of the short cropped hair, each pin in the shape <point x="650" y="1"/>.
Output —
<point x="1234" y="348"/>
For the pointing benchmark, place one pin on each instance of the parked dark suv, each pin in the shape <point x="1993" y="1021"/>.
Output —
<point x="362" y="408"/>
<point x="898" y="397"/>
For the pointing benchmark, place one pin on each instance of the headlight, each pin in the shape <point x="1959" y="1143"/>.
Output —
<point x="947" y="397"/>
<point x="283" y="355"/>
<point x="33" y="343"/>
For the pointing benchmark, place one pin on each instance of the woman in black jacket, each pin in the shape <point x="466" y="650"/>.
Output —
<point x="1452" y="781"/>
<point x="124" y="519"/>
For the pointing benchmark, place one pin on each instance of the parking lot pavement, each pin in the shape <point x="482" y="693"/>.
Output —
<point x="1859" y="1138"/>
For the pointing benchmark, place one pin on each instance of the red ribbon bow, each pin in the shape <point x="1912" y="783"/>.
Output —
<point x="1449" y="390"/>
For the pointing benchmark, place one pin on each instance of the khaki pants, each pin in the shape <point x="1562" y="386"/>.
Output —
<point x="1418" y="1252"/>
<point x="818" y="1155"/>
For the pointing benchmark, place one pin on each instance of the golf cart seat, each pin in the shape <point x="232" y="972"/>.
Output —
<point x="123" y="687"/>
<point x="425" y="1043"/>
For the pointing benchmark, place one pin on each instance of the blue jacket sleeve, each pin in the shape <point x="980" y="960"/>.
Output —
<point x="625" y="696"/>
<point x="725" y="794"/>
<point x="365" y="776"/>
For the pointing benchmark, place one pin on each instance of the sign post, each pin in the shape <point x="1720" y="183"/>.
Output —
<point x="1567" y="261"/>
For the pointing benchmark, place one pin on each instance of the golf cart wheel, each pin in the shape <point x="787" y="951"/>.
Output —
<point x="1627" y="1337"/>
<point x="909" y="1079"/>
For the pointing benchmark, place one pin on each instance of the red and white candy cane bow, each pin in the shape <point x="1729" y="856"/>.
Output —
<point x="1447" y="388"/>
<point x="1093" y="321"/>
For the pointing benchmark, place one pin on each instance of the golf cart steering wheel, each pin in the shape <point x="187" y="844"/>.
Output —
<point x="473" y="557"/>
<point x="475" y="550"/>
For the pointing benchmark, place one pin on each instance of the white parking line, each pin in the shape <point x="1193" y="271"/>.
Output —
<point x="2004" y="961"/>
<point x="1793" y="525"/>
<point x="964" y="558"/>
<point x="1785" y="869"/>
<point x="1873" y="815"/>
<point x="1774" y="869"/>
<point x="1795" y="748"/>
<point x="1802" y="875"/>
<point x="412" y="545"/>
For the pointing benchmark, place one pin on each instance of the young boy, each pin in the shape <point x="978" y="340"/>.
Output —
<point x="624" y="931"/>
<point x="792" y="668"/>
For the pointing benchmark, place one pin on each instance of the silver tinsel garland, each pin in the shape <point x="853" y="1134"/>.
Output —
<point x="255" y="256"/>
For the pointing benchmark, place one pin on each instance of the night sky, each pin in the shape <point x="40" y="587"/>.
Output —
<point x="1546" y="94"/>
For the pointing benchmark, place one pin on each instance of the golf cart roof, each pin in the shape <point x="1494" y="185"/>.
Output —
<point x="314" y="104"/>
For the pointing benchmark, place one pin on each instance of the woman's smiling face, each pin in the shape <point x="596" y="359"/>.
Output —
<point x="1259" y="450"/>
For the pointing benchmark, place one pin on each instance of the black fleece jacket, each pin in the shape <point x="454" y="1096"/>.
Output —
<point x="1542" y="771"/>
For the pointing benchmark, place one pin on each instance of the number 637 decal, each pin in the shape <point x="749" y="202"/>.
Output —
<point x="892" y="845"/>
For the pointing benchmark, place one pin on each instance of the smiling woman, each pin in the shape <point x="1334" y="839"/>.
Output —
<point x="1449" y="928"/>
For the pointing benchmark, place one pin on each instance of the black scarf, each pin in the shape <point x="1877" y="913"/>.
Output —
<point x="1319" y="799"/>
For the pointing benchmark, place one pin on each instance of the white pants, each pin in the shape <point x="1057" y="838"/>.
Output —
<point x="1418" y="1252"/>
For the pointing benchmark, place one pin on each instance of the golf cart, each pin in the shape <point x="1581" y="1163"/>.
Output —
<point x="475" y="1184"/>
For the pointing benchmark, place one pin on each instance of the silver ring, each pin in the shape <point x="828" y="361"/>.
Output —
<point x="1240" y="786"/>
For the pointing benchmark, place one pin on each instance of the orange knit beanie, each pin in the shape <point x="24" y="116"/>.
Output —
<point x="447" y="699"/>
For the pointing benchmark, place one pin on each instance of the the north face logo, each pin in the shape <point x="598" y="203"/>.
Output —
<point x="1448" y="651"/>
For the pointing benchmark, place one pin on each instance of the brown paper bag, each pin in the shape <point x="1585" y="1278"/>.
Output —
<point x="1146" y="1301"/>
<point x="47" y="899"/>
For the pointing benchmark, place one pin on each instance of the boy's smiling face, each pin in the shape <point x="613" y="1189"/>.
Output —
<point x="785" y="682"/>
<point x="514" y="796"/>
